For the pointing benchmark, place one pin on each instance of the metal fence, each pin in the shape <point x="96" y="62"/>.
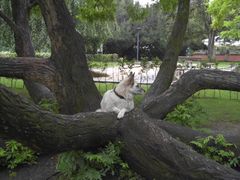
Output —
<point x="107" y="77"/>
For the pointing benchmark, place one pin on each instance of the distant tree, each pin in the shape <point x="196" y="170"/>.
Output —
<point x="19" y="24"/>
<point x="226" y="15"/>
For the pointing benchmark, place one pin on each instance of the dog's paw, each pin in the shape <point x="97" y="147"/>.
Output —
<point x="120" y="115"/>
<point x="98" y="110"/>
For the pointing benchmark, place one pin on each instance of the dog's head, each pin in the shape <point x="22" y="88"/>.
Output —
<point x="128" y="85"/>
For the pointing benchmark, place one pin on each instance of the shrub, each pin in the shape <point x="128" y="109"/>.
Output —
<point x="49" y="105"/>
<point x="15" y="154"/>
<point x="94" y="166"/>
<point x="102" y="57"/>
<point x="218" y="149"/>
<point x="184" y="113"/>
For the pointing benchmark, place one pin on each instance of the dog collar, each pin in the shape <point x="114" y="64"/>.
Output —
<point x="121" y="97"/>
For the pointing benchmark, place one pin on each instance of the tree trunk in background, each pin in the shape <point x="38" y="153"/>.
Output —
<point x="75" y="89"/>
<point x="24" y="47"/>
<point x="168" y="66"/>
<point x="211" y="50"/>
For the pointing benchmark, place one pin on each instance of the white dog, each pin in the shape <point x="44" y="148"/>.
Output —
<point x="120" y="99"/>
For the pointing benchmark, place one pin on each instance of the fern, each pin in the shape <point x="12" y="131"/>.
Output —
<point x="15" y="154"/>
<point x="49" y="105"/>
<point x="218" y="149"/>
<point x="79" y="165"/>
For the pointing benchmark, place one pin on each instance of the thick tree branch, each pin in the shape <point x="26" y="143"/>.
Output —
<point x="156" y="155"/>
<point x="49" y="132"/>
<point x="149" y="150"/>
<point x="27" y="68"/>
<point x="165" y="75"/>
<point x="10" y="22"/>
<point x="186" y="86"/>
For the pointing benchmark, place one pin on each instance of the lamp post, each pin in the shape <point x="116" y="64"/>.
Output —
<point x="138" y="32"/>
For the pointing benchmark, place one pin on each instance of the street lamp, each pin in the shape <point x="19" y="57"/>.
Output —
<point x="138" y="32"/>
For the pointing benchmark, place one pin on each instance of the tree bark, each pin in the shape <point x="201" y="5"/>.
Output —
<point x="186" y="86"/>
<point x="76" y="90"/>
<point x="211" y="41"/>
<point x="53" y="132"/>
<point x="149" y="150"/>
<point x="28" y="68"/>
<point x="165" y="75"/>
<point x="156" y="155"/>
<point x="24" y="47"/>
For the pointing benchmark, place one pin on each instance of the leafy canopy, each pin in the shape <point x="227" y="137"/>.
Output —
<point x="168" y="5"/>
<point x="97" y="10"/>
<point x="225" y="14"/>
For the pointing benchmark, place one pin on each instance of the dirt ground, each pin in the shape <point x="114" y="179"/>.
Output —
<point x="225" y="128"/>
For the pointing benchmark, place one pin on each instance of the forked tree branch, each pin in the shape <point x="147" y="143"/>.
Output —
<point x="186" y="86"/>
<point x="49" y="132"/>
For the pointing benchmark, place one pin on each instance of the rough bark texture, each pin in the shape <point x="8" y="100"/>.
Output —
<point x="76" y="90"/>
<point x="155" y="154"/>
<point x="33" y="69"/>
<point x="168" y="66"/>
<point x="149" y="150"/>
<point x="24" y="47"/>
<point x="186" y="86"/>
<point x="53" y="132"/>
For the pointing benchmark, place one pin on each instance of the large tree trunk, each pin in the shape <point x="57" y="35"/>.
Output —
<point x="211" y="40"/>
<point x="149" y="150"/>
<point x="75" y="89"/>
<point x="24" y="47"/>
<point x="174" y="45"/>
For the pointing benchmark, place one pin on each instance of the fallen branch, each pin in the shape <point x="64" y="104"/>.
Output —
<point x="149" y="150"/>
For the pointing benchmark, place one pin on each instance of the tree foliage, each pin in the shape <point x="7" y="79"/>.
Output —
<point x="226" y="14"/>
<point x="97" y="10"/>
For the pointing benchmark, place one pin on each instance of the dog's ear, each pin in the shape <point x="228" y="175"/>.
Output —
<point x="131" y="79"/>
<point x="131" y="74"/>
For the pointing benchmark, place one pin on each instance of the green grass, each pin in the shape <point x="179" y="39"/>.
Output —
<point x="222" y="94"/>
<point x="16" y="83"/>
<point x="218" y="110"/>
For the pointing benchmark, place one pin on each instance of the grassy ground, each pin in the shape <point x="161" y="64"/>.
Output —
<point x="219" y="110"/>
<point x="217" y="105"/>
